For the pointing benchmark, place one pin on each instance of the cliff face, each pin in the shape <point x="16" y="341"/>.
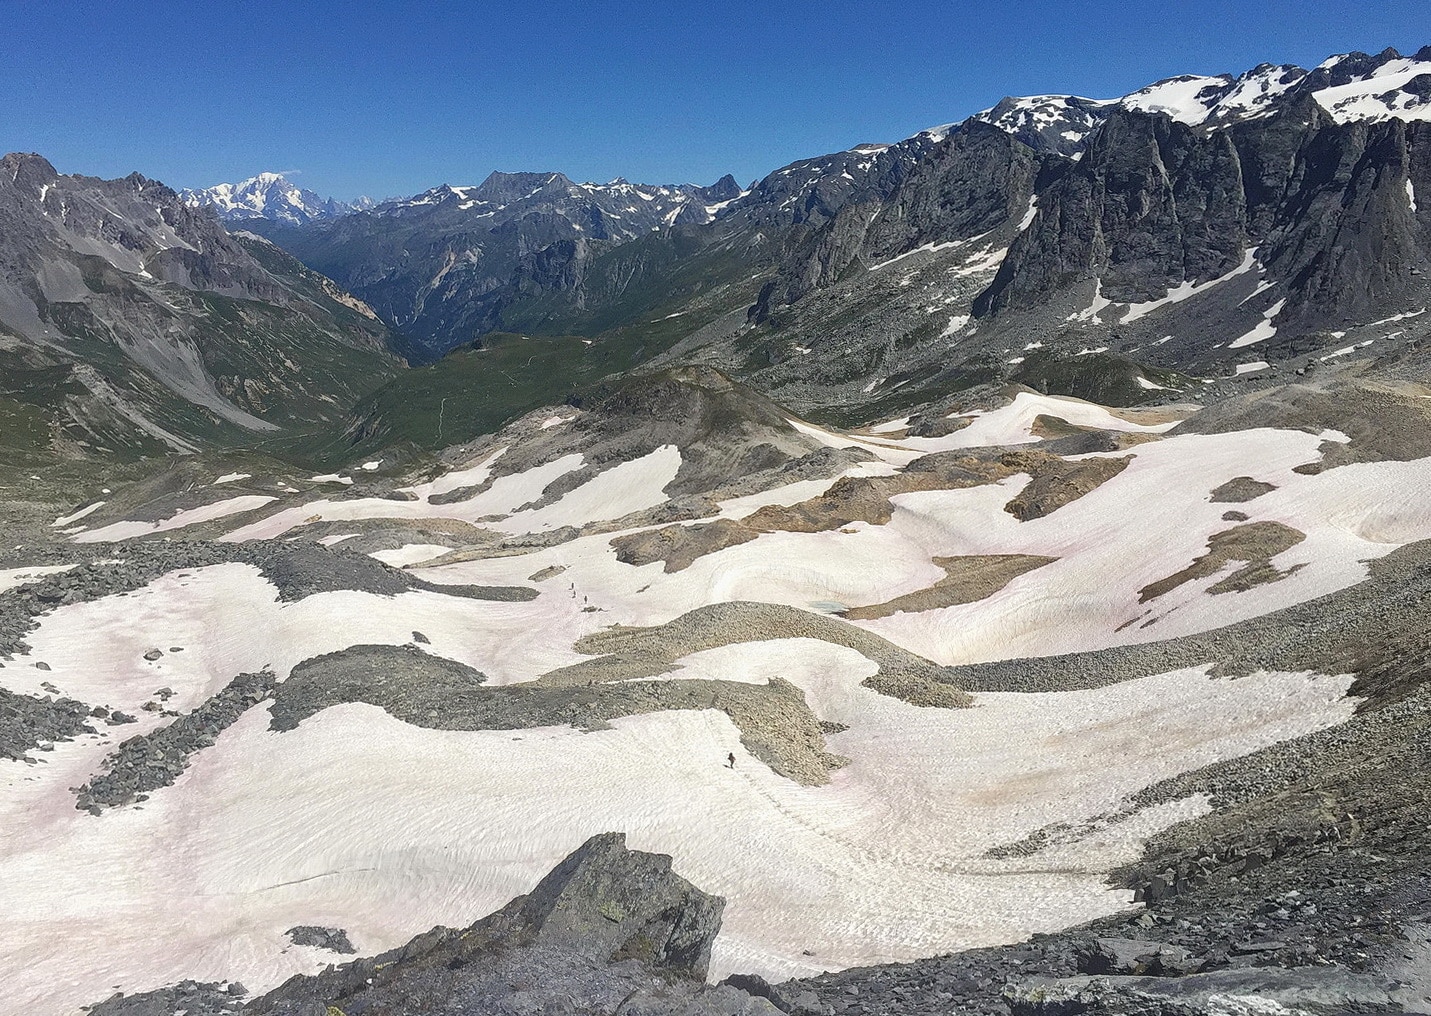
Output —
<point x="1154" y="203"/>
<point x="158" y="329"/>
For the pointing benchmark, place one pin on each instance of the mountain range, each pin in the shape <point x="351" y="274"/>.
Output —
<point x="270" y="196"/>
<point x="986" y="573"/>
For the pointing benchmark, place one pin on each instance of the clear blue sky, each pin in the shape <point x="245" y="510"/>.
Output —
<point x="389" y="98"/>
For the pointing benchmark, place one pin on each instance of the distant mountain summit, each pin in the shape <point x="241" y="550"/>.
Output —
<point x="446" y="263"/>
<point x="270" y="196"/>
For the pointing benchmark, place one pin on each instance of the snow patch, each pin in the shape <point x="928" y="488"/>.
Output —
<point x="180" y="519"/>
<point x="65" y="520"/>
<point x="1188" y="289"/>
<point x="1264" y="329"/>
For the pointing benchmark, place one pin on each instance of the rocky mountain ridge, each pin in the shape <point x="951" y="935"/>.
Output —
<point x="1352" y="86"/>
<point x="132" y="321"/>
<point x="538" y="255"/>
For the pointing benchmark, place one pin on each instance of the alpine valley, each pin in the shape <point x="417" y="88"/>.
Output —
<point x="984" y="573"/>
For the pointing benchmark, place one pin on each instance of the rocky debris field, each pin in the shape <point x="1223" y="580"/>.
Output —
<point x="28" y="722"/>
<point x="149" y="761"/>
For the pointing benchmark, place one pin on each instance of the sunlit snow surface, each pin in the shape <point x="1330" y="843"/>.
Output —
<point x="358" y="820"/>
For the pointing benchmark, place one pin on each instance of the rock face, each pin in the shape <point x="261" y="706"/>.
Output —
<point x="1155" y="203"/>
<point x="977" y="179"/>
<point x="135" y="322"/>
<point x="605" y="901"/>
<point x="608" y="929"/>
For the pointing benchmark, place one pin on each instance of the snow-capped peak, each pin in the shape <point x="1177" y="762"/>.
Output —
<point x="1387" y="86"/>
<point x="1058" y="123"/>
<point x="1188" y="98"/>
<point x="1354" y="86"/>
<point x="266" y="196"/>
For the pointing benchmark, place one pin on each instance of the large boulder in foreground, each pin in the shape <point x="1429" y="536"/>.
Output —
<point x="608" y="929"/>
<point x="607" y="902"/>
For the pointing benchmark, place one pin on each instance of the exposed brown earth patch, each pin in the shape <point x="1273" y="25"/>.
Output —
<point x="1057" y="482"/>
<point x="967" y="579"/>
<point x="1153" y="416"/>
<point x="1051" y="428"/>
<point x="679" y="546"/>
<point x="1255" y="543"/>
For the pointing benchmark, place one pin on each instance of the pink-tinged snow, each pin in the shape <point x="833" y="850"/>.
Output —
<point x="1144" y="524"/>
<point x="1008" y="425"/>
<point x="506" y="494"/>
<point x="628" y="487"/>
<point x="410" y="553"/>
<point x="454" y="479"/>
<point x="227" y="620"/>
<point x="1149" y="522"/>
<point x="180" y="519"/>
<point x="624" y="488"/>
<point x="359" y="820"/>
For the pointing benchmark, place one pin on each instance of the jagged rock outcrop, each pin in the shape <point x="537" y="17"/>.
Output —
<point x="972" y="182"/>
<point x="609" y="929"/>
<point x="1155" y="203"/>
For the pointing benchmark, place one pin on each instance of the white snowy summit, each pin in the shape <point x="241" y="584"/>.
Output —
<point x="270" y="196"/>
<point x="1352" y="86"/>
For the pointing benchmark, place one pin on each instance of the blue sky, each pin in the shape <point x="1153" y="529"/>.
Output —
<point x="389" y="98"/>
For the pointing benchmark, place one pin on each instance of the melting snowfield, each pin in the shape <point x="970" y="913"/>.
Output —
<point x="356" y="819"/>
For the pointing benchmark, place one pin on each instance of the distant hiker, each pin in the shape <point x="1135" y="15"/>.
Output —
<point x="731" y="763"/>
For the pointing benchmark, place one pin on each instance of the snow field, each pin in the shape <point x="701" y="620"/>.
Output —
<point x="180" y="519"/>
<point x="386" y="829"/>
<point x="1151" y="521"/>
<point x="627" y="487"/>
<point x="358" y="820"/>
<point x="1008" y="425"/>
